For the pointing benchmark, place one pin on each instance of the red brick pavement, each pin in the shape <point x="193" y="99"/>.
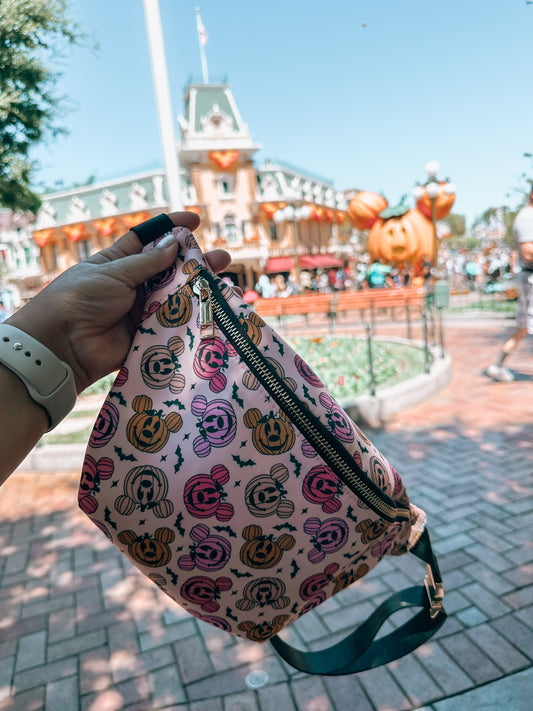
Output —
<point x="81" y="629"/>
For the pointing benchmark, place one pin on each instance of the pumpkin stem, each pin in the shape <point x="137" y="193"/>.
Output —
<point x="397" y="210"/>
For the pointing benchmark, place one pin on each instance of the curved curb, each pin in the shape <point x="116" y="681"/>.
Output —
<point x="372" y="411"/>
<point x="376" y="410"/>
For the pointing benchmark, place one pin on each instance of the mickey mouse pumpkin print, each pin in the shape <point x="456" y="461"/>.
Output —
<point x="217" y="424"/>
<point x="264" y="592"/>
<point x="263" y="551"/>
<point x="264" y="630"/>
<point x="327" y="536"/>
<point x="271" y="434"/>
<point x="153" y="551"/>
<point x="207" y="551"/>
<point x="204" y="495"/>
<point x="210" y="359"/>
<point x="148" y="430"/>
<point x="145" y="488"/>
<point x="322" y="486"/>
<point x="160" y="366"/>
<point x="203" y="591"/>
<point x="265" y="495"/>
<point x="176" y="310"/>
<point x="92" y="474"/>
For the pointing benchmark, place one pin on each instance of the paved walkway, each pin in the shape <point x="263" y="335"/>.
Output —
<point x="82" y="630"/>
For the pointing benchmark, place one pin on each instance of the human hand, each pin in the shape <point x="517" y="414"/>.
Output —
<point x="89" y="314"/>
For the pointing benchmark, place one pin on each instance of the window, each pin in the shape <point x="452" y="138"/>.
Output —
<point x="84" y="250"/>
<point x="230" y="231"/>
<point x="225" y="185"/>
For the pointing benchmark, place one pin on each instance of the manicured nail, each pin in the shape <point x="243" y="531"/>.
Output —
<point x="166" y="241"/>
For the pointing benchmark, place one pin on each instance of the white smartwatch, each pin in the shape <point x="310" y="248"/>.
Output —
<point x="49" y="381"/>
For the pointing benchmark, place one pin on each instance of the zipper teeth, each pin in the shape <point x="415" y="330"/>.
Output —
<point x="308" y="429"/>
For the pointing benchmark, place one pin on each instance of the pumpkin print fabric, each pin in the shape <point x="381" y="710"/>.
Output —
<point x="197" y="475"/>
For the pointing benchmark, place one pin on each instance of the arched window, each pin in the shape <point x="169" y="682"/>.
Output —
<point x="230" y="230"/>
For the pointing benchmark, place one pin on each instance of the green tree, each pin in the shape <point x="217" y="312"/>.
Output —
<point x="33" y="33"/>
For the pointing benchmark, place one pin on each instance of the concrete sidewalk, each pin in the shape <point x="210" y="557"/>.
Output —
<point x="82" y="630"/>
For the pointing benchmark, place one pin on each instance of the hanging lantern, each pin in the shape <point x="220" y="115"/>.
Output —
<point x="42" y="237"/>
<point x="105" y="227"/>
<point x="364" y="208"/>
<point x="224" y="158"/>
<point x="134" y="219"/>
<point x="74" y="232"/>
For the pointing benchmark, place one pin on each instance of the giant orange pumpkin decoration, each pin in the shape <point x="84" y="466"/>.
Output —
<point x="401" y="238"/>
<point x="365" y="207"/>
<point x="443" y="203"/>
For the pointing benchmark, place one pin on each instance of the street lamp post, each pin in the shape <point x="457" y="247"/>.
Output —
<point x="439" y="292"/>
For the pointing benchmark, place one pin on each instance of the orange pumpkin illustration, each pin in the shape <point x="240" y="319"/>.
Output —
<point x="262" y="551"/>
<point x="153" y="551"/>
<point x="148" y="430"/>
<point x="176" y="311"/>
<point x="271" y="434"/>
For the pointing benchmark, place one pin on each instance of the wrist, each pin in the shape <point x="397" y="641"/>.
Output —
<point x="48" y="380"/>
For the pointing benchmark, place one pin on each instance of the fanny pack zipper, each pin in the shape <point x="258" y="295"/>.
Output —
<point x="215" y="309"/>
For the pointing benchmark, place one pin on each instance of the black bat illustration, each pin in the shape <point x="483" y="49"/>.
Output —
<point x="240" y="575"/>
<point x="124" y="457"/>
<point x="306" y="395"/>
<point x="191" y="337"/>
<point x="108" y="519"/>
<point x="146" y="330"/>
<point x="295" y="568"/>
<point x="297" y="465"/>
<point x="169" y="403"/>
<point x="281" y="526"/>
<point x="231" y="533"/>
<point x="350" y="514"/>
<point x="173" y="576"/>
<point x="228" y="614"/>
<point x="281" y="347"/>
<point x="242" y="462"/>
<point x="178" y="526"/>
<point x="119" y="397"/>
<point x="235" y="395"/>
<point x="294" y="608"/>
<point x="179" y="460"/>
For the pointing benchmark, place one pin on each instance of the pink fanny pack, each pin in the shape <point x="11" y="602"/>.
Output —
<point x="226" y="472"/>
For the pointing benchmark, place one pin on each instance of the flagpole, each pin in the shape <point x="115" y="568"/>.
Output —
<point x="202" y="39"/>
<point x="164" y="105"/>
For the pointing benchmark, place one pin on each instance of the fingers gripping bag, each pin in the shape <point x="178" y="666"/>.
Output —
<point x="225" y="471"/>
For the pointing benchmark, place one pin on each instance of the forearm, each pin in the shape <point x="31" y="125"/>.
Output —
<point x="22" y="422"/>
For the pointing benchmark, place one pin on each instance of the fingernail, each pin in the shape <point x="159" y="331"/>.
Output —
<point x="166" y="241"/>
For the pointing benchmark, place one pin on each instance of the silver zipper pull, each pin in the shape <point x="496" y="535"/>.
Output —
<point x="207" y="326"/>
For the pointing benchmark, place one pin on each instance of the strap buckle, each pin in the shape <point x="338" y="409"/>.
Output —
<point x="435" y="593"/>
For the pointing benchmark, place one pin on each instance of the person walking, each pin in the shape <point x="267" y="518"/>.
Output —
<point x="523" y="239"/>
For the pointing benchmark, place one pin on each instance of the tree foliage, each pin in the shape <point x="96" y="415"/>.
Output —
<point x="33" y="33"/>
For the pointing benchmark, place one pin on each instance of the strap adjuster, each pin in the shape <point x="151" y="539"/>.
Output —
<point x="435" y="593"/>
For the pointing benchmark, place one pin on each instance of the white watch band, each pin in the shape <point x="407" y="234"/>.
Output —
<point x="49" y="381"/>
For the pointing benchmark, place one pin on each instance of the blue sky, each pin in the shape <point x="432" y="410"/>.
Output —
<point x="362" y="92"/>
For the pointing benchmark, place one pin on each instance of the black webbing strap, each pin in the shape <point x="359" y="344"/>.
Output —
<point x="360" y="650"/>
<point x="154" y="227"/>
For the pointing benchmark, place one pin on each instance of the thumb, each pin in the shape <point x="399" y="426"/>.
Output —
<point x="137" y="268"/>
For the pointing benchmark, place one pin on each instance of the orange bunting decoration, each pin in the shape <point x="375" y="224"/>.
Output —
<point x="340" y="216"/>
<point x="317" y="213"/>
<point x="42" y="237"/>
<point x="328" y="215"/>
<point x="224" y="158"/>
<point x="270" y="208"/>
<point x="197" y="210"/>
<point x="105" y="227"/>
<point x="134" y="219"/>
<point x="74" y="232"/>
